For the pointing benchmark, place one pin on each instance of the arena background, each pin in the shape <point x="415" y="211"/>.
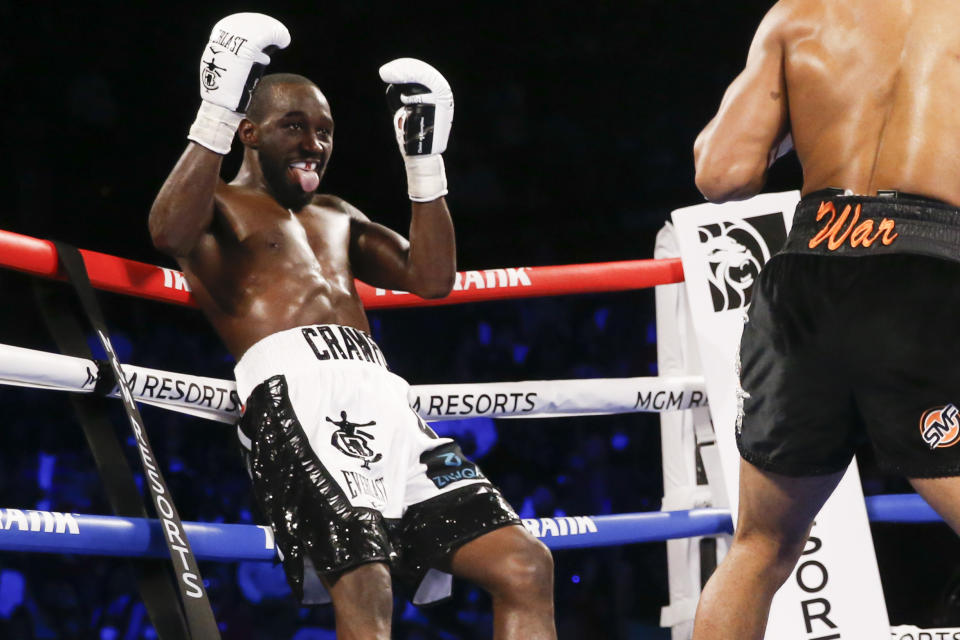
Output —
<point x="571" y="143"/>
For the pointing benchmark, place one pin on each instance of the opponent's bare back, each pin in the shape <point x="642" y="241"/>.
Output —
<point x="867" y="88"/>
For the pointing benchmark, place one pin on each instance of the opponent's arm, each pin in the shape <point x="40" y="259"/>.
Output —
<point x="422" y="107"/>
<point x="230" y="67"/>
<point x="751" y="128"/>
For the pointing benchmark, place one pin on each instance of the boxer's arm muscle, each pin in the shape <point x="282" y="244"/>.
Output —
<point x="425" y="265"/>
<point x="183" y="210"/>
<point x="732" y="153"/>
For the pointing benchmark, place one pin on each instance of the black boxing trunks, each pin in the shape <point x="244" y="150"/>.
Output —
<point x="850" y="338"/>
<point x="346" y="472"/>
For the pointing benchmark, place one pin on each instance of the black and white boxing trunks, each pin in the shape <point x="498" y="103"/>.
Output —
<point x="851" y="337"/>
<point x="346" y="472"/>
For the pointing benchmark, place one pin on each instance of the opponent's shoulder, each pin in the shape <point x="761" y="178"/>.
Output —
<point x="330" y="202"/>
<point x="786" y="17"/>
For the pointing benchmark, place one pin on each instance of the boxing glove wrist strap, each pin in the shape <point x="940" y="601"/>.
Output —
<point x="215" y="127"/>
<point x="426" y="177"/>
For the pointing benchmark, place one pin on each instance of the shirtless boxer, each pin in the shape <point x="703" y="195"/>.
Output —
<point x="851" y="334"/>
<point x="354" y="484"/>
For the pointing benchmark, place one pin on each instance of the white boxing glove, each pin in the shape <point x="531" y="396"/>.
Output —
<point x="421" y="102"/>
<point x="230" y="67"/>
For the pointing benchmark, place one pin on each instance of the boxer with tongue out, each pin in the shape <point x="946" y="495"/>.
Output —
<point x="354" y="485"/>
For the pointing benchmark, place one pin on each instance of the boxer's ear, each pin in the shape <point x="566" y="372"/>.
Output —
<point x="249" y="133"/>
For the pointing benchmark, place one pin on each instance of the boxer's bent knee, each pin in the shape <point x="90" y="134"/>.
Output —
<point x="776" y="551"/>
<point x="523" y="571"/>
<point x="365" y="591"/>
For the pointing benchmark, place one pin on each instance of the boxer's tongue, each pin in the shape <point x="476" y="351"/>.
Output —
<point x="306" y="175"/>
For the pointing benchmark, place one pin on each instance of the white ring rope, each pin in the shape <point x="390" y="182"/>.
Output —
<point x="216" y="399"/>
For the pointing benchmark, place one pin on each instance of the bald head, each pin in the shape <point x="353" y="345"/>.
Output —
<point x="268" y="93"/>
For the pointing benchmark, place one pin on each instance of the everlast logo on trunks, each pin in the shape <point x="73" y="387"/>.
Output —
<point x="350" y="440"/>
<point x="361" y="485"/>
<point x="736" y="251"/>
<point x="447" y="464"/>
<point x="940" y="427"/>
<point x="837" y="231"/>
<point x="342" y="343"/>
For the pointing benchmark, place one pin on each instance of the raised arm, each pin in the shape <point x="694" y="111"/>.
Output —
<point x="231" y="65"/>
<point x="734" y="151"/>
<point x="422" y="106"/>
<point x="425" y="265"/>
<point x="183" y="210"/>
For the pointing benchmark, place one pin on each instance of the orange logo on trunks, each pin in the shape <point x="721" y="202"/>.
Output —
<point x="838" y="231"/>
<point x="940" y="427"/>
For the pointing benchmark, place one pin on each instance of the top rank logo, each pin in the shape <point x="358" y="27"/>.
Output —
<point x="736" y="251"/>
<point x="940" y="427"/>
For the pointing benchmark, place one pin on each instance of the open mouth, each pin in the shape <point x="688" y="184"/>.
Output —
<point x="305" y="173"/>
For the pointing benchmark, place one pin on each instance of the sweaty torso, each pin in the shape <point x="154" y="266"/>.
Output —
<point x="262" y="269"/>
<point x="872" y="87"/>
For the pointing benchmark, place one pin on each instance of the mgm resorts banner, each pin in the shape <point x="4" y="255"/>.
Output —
<point x="834" y="592"/>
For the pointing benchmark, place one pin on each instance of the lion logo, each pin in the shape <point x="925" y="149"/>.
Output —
<point x="735" y="252"/>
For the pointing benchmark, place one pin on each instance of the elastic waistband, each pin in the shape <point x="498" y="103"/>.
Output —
<point x="304" y="347"/>
<point x="829" y="222"/>
<point x="883" y="195"/>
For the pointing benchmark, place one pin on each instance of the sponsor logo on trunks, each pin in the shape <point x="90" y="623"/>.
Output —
<point x="360" y="485"/>
<point x="350" y="440"/>
<point x="940" y="427"/>
<point x="838" y="231"/>
<point x="736" y="251"/>
<point x="446" y="465"/>
<point x="342" y="343"/>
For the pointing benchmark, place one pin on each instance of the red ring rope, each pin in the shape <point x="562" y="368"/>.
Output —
<point x="119" y="275"/>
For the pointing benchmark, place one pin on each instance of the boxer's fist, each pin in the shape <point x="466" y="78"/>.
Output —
<point x="421" y="103"/>
<point x="235" y="57"/>
<point x="230" y="67"/>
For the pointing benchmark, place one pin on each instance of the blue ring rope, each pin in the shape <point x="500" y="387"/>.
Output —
<point x="46" y="532"/>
